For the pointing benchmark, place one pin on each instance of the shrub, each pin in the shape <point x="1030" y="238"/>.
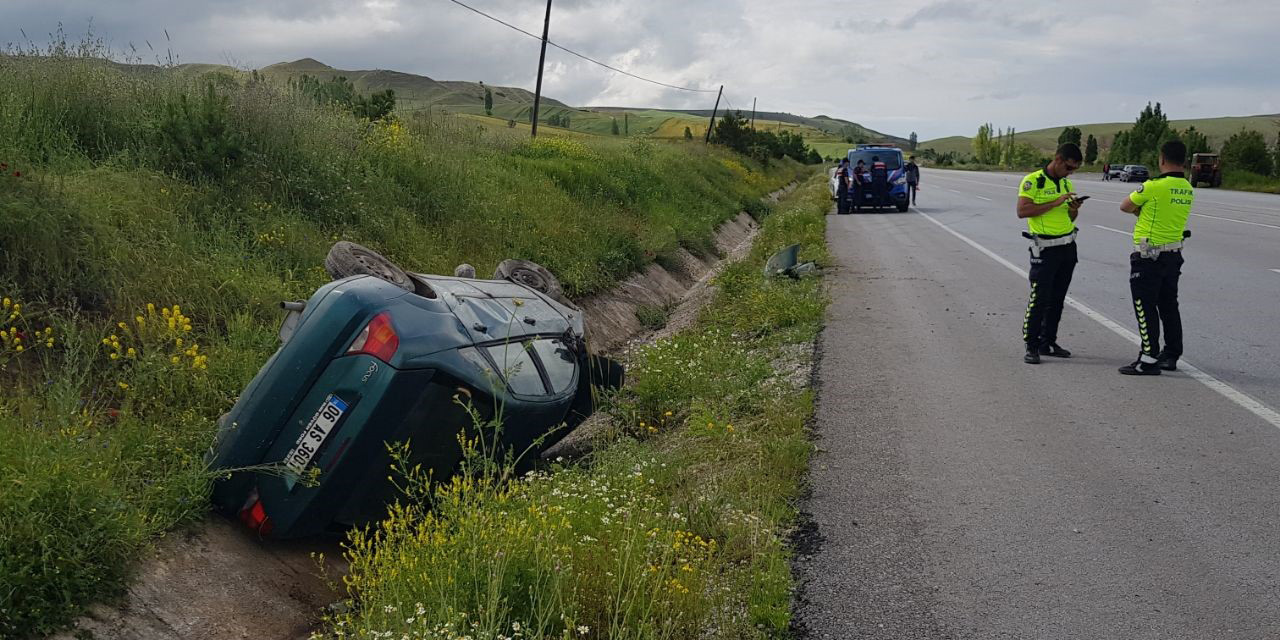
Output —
<point x="196" y="137"/>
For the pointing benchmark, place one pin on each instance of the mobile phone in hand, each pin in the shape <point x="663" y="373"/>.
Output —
<point x="1079" y="199"/>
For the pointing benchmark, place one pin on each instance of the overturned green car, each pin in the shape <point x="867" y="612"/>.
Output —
<point x="382" y="356"/>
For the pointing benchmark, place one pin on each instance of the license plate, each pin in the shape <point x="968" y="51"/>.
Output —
<point x="314" y="435"/>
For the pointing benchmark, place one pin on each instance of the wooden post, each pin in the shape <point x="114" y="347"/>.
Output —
<point x="713" y="115"/>
<point x="542" y="58"/>
<point x="753" y="114"/>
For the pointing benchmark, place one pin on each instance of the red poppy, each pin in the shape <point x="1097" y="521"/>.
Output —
<point x="17" y="174"/>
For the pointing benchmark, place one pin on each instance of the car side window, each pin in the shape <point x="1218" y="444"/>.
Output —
<point x="559" y="363"/>
<point x="517" y="367"/>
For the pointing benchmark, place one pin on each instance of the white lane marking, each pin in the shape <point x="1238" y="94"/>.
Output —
<point x="1256" y="224"/>
<point x="1276" y="270"/>
<point x="953" y="190"/>
<point x="1123" y="233"/>
<point x="1223" y="389"/>
<point x="982" y="197"/>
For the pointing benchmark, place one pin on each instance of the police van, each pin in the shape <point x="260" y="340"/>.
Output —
<point x="881" y="186"/>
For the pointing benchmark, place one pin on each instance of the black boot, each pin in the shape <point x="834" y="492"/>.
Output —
<point x="1140" y="368"/>
<point x="1167" y="362"/>
<point x="1052" y="349"/>
<point x="1033" y="355"/>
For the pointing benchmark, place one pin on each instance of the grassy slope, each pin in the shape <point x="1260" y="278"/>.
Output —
<point x="107" y="222"/>
<point x="673" y="530"/>
<point x="1218" y="130"/>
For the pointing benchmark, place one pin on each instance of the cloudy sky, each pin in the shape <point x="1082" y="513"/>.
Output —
<point x="937" y="67"/>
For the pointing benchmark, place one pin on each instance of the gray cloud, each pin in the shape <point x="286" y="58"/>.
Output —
<point x="939" y="67"/>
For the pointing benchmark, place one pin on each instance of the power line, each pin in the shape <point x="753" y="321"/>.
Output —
<point x="575" y="53"/>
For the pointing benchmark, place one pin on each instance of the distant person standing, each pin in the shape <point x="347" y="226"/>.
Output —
<point x="1048" y="204"/>
<point x="1162" y="205"/>
<point x="859" y="183"/>
<point x="1106" y="171"/>
<point x="843" y="183"/>
<point x="912" y="171"/>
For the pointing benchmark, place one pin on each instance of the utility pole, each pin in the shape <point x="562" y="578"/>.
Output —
<point x="537" y="92"/>
<point x="713" y="115"/>
<point x="753" y="114"/>
<point x="626" y="123"/>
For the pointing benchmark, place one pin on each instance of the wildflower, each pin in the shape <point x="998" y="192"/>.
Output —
<point x="131" y="353"/>
<point x="18" y="348"/>
<point x="123" y="385"/>
<point x="583" y="629"/>
<point x="17" y="174"/>
<point x="115" y="356"/>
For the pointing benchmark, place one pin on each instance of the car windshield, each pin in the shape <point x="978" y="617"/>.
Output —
<point x="1138" y="167"/>
<point x="891" y="158"/>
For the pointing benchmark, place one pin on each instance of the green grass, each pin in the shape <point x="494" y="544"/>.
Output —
<point x="128" y="191"/>
<point x="1249" y="181"/>
<point x="673" y="529"/>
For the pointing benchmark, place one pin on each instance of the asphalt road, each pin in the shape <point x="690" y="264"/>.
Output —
<point x="959" y="493"/>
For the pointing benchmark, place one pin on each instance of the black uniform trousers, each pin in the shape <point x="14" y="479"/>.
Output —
<point x="1154" y="284"/>
<point x="1050" y="278"/>
<point x="842" y="199"/>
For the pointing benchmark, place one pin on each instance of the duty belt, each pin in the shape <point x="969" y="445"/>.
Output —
<point x="1038" y="243"/>
<point x="1153" y="251"/>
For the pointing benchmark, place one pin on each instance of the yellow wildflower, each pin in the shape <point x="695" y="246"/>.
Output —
<point x="123" y="385"/>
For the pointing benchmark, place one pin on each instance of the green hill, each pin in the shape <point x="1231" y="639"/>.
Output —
<point x="1217" y="129"/>
<point x="415" y="92"/>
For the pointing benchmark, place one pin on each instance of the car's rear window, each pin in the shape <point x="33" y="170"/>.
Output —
<point x="559" y="362"/>
<point x="891" y="158"/>
<point x="515" y="364"/>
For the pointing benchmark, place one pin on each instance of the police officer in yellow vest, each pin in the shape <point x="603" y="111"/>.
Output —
<point x="1048" y="204"/>
<point x="1162" y="206"/>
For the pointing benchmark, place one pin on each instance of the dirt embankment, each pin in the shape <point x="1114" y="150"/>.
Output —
<point x="215" y="581"/>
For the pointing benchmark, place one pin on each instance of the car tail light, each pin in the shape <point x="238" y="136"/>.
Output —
<point x="254" y="516"/>
<point x="378" y="339"/>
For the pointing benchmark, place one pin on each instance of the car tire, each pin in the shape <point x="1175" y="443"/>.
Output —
<point x="348" y="259"/>
<point x="532" y="275"/>
<point x="902" y="208"/>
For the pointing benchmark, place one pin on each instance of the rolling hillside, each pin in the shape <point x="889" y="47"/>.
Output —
<point x="1218" y="129"/>
<point x="420" y="93"/>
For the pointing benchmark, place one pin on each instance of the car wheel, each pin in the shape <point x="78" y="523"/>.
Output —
<point x="902" y="208"/>
<point x="532" y="275"/>
<point x="348" y="259"/>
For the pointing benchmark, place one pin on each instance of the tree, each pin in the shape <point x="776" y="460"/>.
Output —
<point x="814" y="157"/>
<point x="914" y="140"/>
<point x="488" y="101"/>
<point x="1275" y="160"/>
<point x="732" y="131"/>
<point x="1070" y="134"/>
<point x="688" y="134"/>
<point x="1247" y="150"/>
<point x="1091" y="150"/>
<point x="1141" y="143"/>
<point x="986" y="149"/>
<point x="1196" y="142"/>
<point x="615" y="129"/>
<point x="375" y="107"/>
